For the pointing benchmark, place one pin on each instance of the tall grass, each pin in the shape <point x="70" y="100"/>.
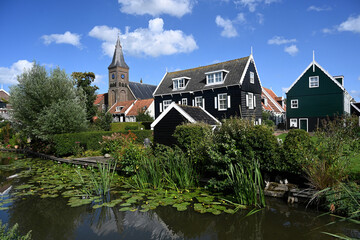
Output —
<point x="168" y="167"/>
<point x="100" y="179"/>
<point x="246" y="182"/>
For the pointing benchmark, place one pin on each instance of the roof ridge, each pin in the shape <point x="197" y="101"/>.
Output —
<point x="143" y="83"/>
<point x="211" y="65"/>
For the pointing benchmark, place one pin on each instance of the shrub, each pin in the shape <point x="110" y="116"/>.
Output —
<point x="123" y="126"/>
<point x="195" y="139"/>
<point x="12" y="233"/>
<point x="66" y="144"/>
<point x="297" y="147"/>
<point x="6" y="133"/>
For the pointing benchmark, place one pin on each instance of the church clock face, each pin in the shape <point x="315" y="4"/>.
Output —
<point x="113" y="76"/>
<point x="122" y="76"/>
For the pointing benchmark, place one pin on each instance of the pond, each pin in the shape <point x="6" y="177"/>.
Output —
<point x="49" y="216"/>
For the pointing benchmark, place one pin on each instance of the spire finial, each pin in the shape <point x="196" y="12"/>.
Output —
<point x="251" y="50"/>
<point x="313" y="60"/>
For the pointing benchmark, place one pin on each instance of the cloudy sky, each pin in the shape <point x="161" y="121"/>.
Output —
<point x="168" y="35"/>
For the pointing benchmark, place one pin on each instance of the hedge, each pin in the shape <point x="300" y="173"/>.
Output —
<point x="67" y="144"/>
<point x="125" y="126"/>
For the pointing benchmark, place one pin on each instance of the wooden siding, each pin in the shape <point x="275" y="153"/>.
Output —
<point x="164" y="130"/>
<point x="322" y="101"/>
<point x="313" y="122"/>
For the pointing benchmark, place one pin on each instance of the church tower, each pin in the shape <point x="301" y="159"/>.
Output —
<point x="118" y="77"/>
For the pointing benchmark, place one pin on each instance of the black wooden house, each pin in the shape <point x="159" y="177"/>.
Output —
<point x="225" y="89"/>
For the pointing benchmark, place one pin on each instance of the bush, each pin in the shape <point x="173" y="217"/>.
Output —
<point x="66" y="144"/>
<point x="6" y="133"/>
<point x="12" y="233"/>
<point x="297" y="147"/>
<point x="123" y="126"/>
<point x="195" y="139"/>
<point x="240" y="141"/>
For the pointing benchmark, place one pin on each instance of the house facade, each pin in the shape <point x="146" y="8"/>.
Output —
<point x="122" y="90"/>
<point x="225" y="89"/>
<point x="274" y="105"/>
<point x="127" y="111"/>
<point x="316" y="96"/>
<point x="4" y="104"/>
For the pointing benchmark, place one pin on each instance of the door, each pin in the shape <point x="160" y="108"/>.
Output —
<point x="303" y="124"/>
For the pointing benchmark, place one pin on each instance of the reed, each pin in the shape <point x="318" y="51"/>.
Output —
<point x="246" y="182"/>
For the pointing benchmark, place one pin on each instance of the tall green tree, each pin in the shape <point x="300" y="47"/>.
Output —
<point x="84" y="80"/>
<point x="47" y="103"/>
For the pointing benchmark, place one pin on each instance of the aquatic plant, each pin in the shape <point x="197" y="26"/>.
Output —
<point x="12" y="233"/>
<point x="246" y="182"/>
<point x="101" y="178"/>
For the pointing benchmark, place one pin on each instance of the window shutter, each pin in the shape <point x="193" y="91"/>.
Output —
<point x="254" y="101"/>
<point x="228" y="101"/>
<point x="215" y="103"/>
<point x="203" y="103"/>
<point x="247" y="100"/>
<point x="193" y="102"/>
<point x="160" y="106"/>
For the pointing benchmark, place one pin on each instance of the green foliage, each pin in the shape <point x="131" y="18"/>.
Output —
<point x="269" y="123"/>
<point x="122" y="126"/>
<point x="247" y="184"/>
<point x="66" y="144"/>
<point x="6" y="133"/>
<point x="195" y="139"/>
<point x="12" y="233"/>
<point x="83" y="80"/>
<point x="143" y="116"/>
<point x="103" y="121"/>
<point x="344" y="199"/>
<point x="297" y="147"/>
<point x="46" y="104"/>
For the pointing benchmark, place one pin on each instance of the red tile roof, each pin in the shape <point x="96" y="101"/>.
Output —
<point x="99" y="98"/>
<point x="125" y="106"/>
<point x="272" y="100"/>
<point x="139" y="106"/>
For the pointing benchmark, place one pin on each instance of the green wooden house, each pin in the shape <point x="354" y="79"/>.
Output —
<point x="314" y="96"/>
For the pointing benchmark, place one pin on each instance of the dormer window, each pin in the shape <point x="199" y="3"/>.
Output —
<point x="215" y="77"/>
<point x="119" y="108"/>
<point x="180" y="83"/>
<point x="252" y="77"/>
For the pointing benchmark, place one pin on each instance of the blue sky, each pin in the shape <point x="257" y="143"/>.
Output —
<point x="160" y="35"/>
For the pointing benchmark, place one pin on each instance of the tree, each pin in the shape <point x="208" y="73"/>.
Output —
<point x="143" y="116"/>
<point x="103" y="121"/>
<point x="83" y="80"/>
<point x="47" y="103"/>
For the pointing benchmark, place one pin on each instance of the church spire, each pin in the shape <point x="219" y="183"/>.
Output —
<point x="118" y="58"/>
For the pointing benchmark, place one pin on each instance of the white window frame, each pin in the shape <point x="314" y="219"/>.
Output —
<point x="198" y="102"/>
<point x="222" y="102"/>
<point x="184" y="101"/>
<point x="252" y="77"/>
<point x="166" y="103"/>
<point x="293" y="122"/>
<point x="314" y="82"/>
<point x="119" y="108"/>
<point x="294" y="103"/>
<point x="215" y="77"/>
<point x="179" y="83"/>
<point x="250" y="100"/>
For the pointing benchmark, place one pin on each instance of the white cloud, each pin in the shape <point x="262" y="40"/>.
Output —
<point x="240" y="18"/>
<point x="260" y="18"/>
<point x="292" y="50"/>
<point x="355" y="93"/>
<point x="98" y="79"/>
<point x="252" y="4"/>
<point x="359" y="78"/>
<point x="152" y="41"/>
<point x="9" y="75"/>
<point x="67" y="38"/>
<point x="352" y="25"/>
<point x="318" y="9"/>
<point x="227" y="25"/>
<point x="176" y="8"/>
<point x="278" y="40"/>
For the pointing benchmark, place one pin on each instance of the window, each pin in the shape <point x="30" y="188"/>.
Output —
<point x="119" y="108"/>
<point x="250" y="100"/>
<point x="215" y="77"/>
<point x="198" y="102"/>
<point x="294" y="103"/>
<point x="184" y="101"/>
<point x="252" y="77"/>
<point x="166" y="103"/>
<point x="179" y="83"/>
<point x="293" y="122"/>
<point x="222" y="98"/>
<point x="314" y="82"/>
